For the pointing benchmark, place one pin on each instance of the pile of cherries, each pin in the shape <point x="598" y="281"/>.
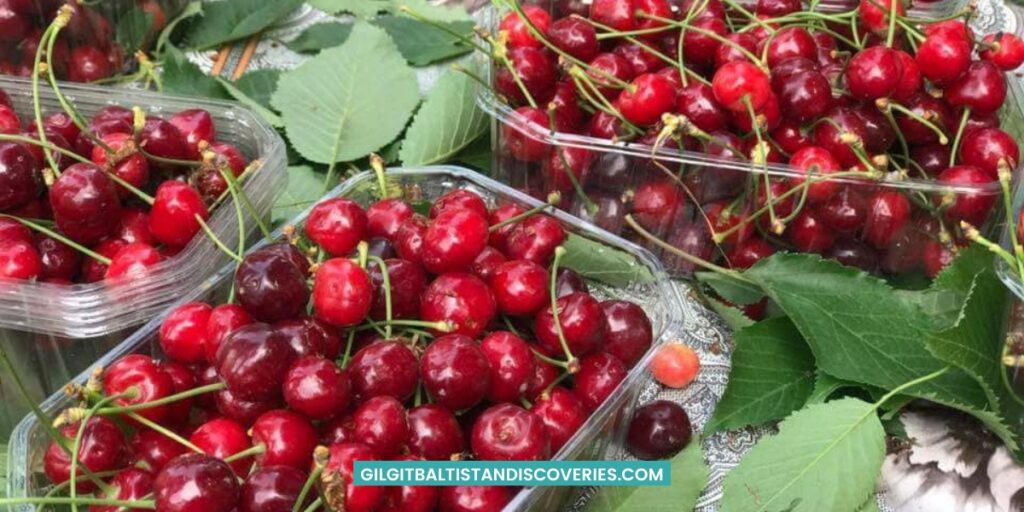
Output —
<point x="115" y="199"/>
<point x="381" y="334"/>
<point x="847" y="100"/>
<point x="85" y="50"/>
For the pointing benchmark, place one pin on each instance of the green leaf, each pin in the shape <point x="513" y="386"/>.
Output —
<point x="772" y="375"/>
<point x="133" y="29"/>
<point x="689" y="477"/>
<point x="422" y="44"/>
<point x="825" y="457"/>
<point x="825" y="386"/>
<point x="871" y="505"/>
<point x="448" y="121"/>
<point x="477" y="154"/>
<point x="735" y="318"/>
<point x="320" y="36"/>
<point x="858" y="329"/>
<point x="348" y="101"/>
<point x="731" y="289"/>
<point x="193" y="8"/>
<point x="268" y="115"/>
<point x="180" y="76"/>
<point x="594" y="260"/>
<point x="228" y="21"/>
<point x="305" y="188"/>
<point x="259" y="85"/>
<point x="445" y="13"/>
<point x="361" y="8"/>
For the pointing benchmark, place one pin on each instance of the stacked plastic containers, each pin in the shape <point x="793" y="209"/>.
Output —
<point x="98" y="42"/>
<point x="603" y="431"/>
<point x="52" y="332"/>
<point x="675" y="194"/>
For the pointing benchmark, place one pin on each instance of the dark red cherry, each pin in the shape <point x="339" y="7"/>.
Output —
<point x="845" y="211"/>
<point x="508" y="432"/>
<point x="197" y="126"/>
<point x="20" y="179"/>
<point x="544" y="376"/>
<point x="628" y="331"/>
<point x="523" y="135"/>
<point x="658" y="430"/>
<point x="223" y="320"/>
<point x="805" y="96"/>
<point x="242" y="410"/>
<point x="986" y="148"/>
<point x="455" y="372"/>
<point x="620" y="15"/>
<point x="928" y="107"/>
<point x="809" y="233"/>
<point x="270" y="286"/>
<point x="562" y="413"/>
<point x="309" y="336"/>
<point x="697" y="102"/>
<point x="385" y="216"/>
<point x="287" y="437"/>
<point x="163" y="139"/>
<point x="777" y="8"/>
<point x="475" y="498"/>
<point x="407" y="280"/>
<point x="486" y="263"/>
<point x="409" y="238"/>
<point x="434" y="433"/>
<point x="843" y="128"/>
<point x="381" y="423"/>
<point x="932" y="158"/>
<point x="982" y="88"/>
<point x="656" y="204"/>
<point x="887" y="212"/>
<point x="337" y="225"/>
<point x="511" y="364"/>
<point x="20" y="260"/>
<point x="749" y="252"/>
<point x="88" y="64"/>
<point x="195" y="482"/>
<point x="910" y="77"/>
<point x="599" y="375"/>
<point x="536" y="70"/>
<point x="253" y="361"/>
<point x="574" y="36"/>
<point x="854" y="254"/>
<point x="154" y="450"/>
<point x="875" y="15"/>
<point x="101" y="448"/>
<point x="462" y="300"/>
<point x="700" y="46"/>
<point x="608" y="65"/>
<point x="410" y="498"/>
<point x="223" y="438"/>
<point x="84" y="199"/>
<point x="791" y="42"/>
<point x="173" y="217"/>
<point x="317" y="388"/>
<point x="873" y="73"/>
<point x="974" y="206"/>
<point x="384" y="368"/>
<point x="58" y="260"/>
<point x="272" y="489"/>
<point x="583" y="325"/>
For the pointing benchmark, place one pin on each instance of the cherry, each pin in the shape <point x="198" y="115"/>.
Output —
<point x="568" y="281"/>
<point x="183" y="332"/>
<point x="20" y="260"/>
<point x="887" y="212"/>
<point x="628" y="331"/>
<point x="923" y="105"/>
<point x="809" y="233"/>
<point x="599" y="375"/>
<point x="9" y="121"/>
<point x="641" y="60"/>
<point x="972" y="207"/>
<point x="700" y="47"/>
<point x="675" y="365"/>
<point x="873" y="73"/>
<point x="84" y="199"/>
<point x="194" y="483"/>
<point x="455" y="372"/>
<point x="384" y="368"/>
<point x="777" y="8"/>
<point x="767" y="119"/>
<point x="831" y="134"/>
<point x="563" y="165"/>
<point x="140" y="376"/>
<point x="875" y="14"/>
<point x="274" y="488"/>
<point x="562" y="414"/>
<point x="253" y="361"/>
<point x="657" y="8"/>
<point x="656" y="204"/>
<point x="1004" y="50"/>
<point x="749" y="252"/>
<point x="523" y="135"/>
<point x="317" y="388"/>
<point x="102" y="448"/>
<point x="134" y="226"/>
<point x="815" y="162"/>
<point x="434" y="433"/>
<point x="287" y="437"/>
<point x="337" y="430"/>
<point x="410" y="498"/>
<point x="910" y="77"/>
<point x="125" y="162"/>
<point x="605" y="126"/>
<point x="648" y="97"/>
<point x="697" y="102"/>
<point x="223" y="438"/>
<point x="738" y="83"/>
<point x="935" y="257"/>
<point x="341" y="493"/>
<point x="934" y="158"/>
<point x="520" y="287"/>
<point x="620" y="15"/>
<point x="93" y="270"/>
<point x="270" y="286"/>
<point x="197" y="126"/>
<point x="385" y="216"/>
<point x="854" y="254"/>
<point x="381" y="423"/>
<point x="20" y="179"/>
<point x="14" y="24"/>
<point x="163" y="139"/>
<point x="409" y="238"/>
<point x="176" y="213"/>
<point x="471" y="498"/>
<point x="536" y="70"/>
<point x="486" y="263"/>
<point x="789" y="43"/>
<point x="128" y="485"/>
<point x="337" y="225"/>
<point x="982" y="88"/>
<point x="183" y="380"/>
<point x="544" y="376"/>
<point x="574" y="36"/>
<point x="12" y="230"/>
<point x="88" y="64"/>
<point x="509" y="432"/>
<point x="223" y="320"/>
<point x="943" y="57"/>
<point x="519" y="33"/>
<point x="987" y="147"/>
<point x="243" y="410"/>
<point x="805" y="95"/>
<point x="565" y="107"/>
<point x="342" y="293"/>
<point x="583" y="325"/>
<point x="512" y="365"/>
<point x="461" y="299"/>
<point x="729" y="52"/>
<point x="132" y="262"/>
<point x="308" y="336"/>
<point x="658" y="430"/>
<point x="153" y="450"/>
<point x="608" y="65"/>
<point x="534" y="239"/>
<point x="453" y="240"/>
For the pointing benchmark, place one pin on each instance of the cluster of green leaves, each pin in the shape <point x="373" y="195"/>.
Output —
<point x="828" y="364"/>
<point x="357" y="94"/>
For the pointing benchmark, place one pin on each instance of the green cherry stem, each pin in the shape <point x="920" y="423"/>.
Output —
<point x="890" y="38"/>
<point x="45" y="145"/>
<point x="170" y="161"/>
<point x="386" y="279"/>
<point x="553" y="199"/>
<point x="315" y="505"/>
<point x="259" y="449"/>
<point x="348" y="348"/>
<point x="240" y="194"/>
<point x="572" y="364"/>
<point x="216" y="240"/>
<point x="167" y="400"/>
<point x="684" y="255"/>
<point x="77" y="444"/>
<point x="959" y="135"/>
<point x="61" y="238"/>
<point x="320" y="456"/>
<point x="549" y="360"/>
<point x="37" y="69"/>
<point x="159" y="428"/>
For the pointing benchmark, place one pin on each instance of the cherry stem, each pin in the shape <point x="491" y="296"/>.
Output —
<point x="890" y="38"/>
<point x="315" y="505"/>
<point x="377" y="164"/>
<point x="558" y="380"/>
<point x="553" y="199"/>
<point x="77" y="444"/>
<point x="259" y="449"/>
<point x="700" y="262"/>
<point x="518" y="80"/>
<point x="216" y="241"/>
<point x="240" y="217"/>
<point x="348" y="347"/>
<point x="959" y="135"/>
<point x="45" y="145"/>
<point x="170" y="161"/>
<point x="1005" y="179"/>
<point x="775" y="225"/>
<point x="571" y="361"/>
<point x="549" y="360"/>
<point x="509" y="325"/>
<point x="240" y="194"/>
<point x="650" y="49"/>
<point x="167" y="400"/>
<point x="319" y="456"/>
<point x="972" y="234"/>
<point x="913" y="34"/>
<point x="387" y="293"/>
<point x="80" y="478"/>
<point x="754" y="59"/>
<point x="70" y="109"/>
<point x="99" y="502"/>
<point x="37" y="69"/>
<point x="887" y="112"/>
<point x="61" y="238"/>
<point x="159" y="428"/>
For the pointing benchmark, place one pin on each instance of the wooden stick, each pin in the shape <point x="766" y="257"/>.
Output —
<point x="246" y="59"/>
<point x="222" y="59"/>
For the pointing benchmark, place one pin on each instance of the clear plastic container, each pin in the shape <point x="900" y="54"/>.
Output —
<point x="672" y="181"/>
<point x="54" y="331"/>
<point x="103" y="34"/>
<point x="603" y="430"/>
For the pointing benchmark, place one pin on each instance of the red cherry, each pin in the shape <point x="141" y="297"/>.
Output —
<point x="154" y="450"/>
<point x="84" y="200"/>
<point x="132" y="261"/>
<point x="476" y="498"/>
<point x="620" y="15"/>
<point x="486" y="263"/>
<point x="934" y="158"/>
<point x="628" y="331"/>
<point x="816" y="162"/>
<point x="183" y="380"/>
<point x="887" y="212"/>
<point x="511" y="363"/>
<point x="243" y="410"/>
<point x="537" y="72"/>
<point x="972" y="207"/>
<point x="749" y="252"/>
<point x="599" y="375"/>
<point x="342" y="293"/>
<point x="195" y="482"/>
<point x="384" y="368"/>
<point x="173" y="217"/>
<point x="982" y="88"/>
<point x="1003" y="50"/>
<point x="385" y="216"/>
<point x="288" y="439"/>
<point x="183" y="332"/>
<point x="697" y="102"/>
<point x="222" y="438"/>
<point x="738" y="83"/>
<point x="534" y="239"/>
<point x="274" y="488"/>
<point x="410" y="498"/>
<point x="197" y="126"/>
<point x="832" y="135"/>
<point x="910" y="77"/>
<point x="128" y="485"/>
<point x="574" y="36"/>
<point x="509" y="432"/>
<point x="101" y="449"/>
<point x="253" y="361"/>
<point x="141" y="374"/>
<point x="88" y="64"/>
<point x="520" y="287"/>
<point x="874" y="14"/>
<point x="381" y="423"/>
<point x="789" y="43"/>
<point x="605" y="66"/>
<point x="20" y="260"/>
<point x="519" y="33"/>
<point x="224" y="319"/>
<point x="543" y="377"/>
<point x="317" y="388"/>
<point x="729" y="52"/>
<point x="936" y="257"/>
<point x="700" y="47"/>
<point x="462" y="300"/>
<point x="453" y="240"/>
<point x="656" y="204"/>
<point x="455" y="372"/>
<point x="873" y="73"/>
<point x="942" y="58"/>
<point x="434" y="433"/>
<point x="583" y="325"/>
<point x="646" y="99"/>
<point x="808" y="233"/>
<point x="339" y="470"/>
<point x="409" y="238"/>
<point x="924" y="105"/>
<point x="562" y="413"/>
<point x="337" y="225"/>
<point x="987" y="148"/>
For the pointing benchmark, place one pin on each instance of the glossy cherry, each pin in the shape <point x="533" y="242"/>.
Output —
<point x="583" y="325"/>
<point x="887" y="212"/>
<point x="253" y="361"/>
<point x="599" y="375"/>
<point x="195" y="482"/>
<point x="534" y="239"/>
<point x="20" y="179"/>
<point x="342" y="292"/>
<point x="1004" y="50"/>
<point x="336" y="225"/>
<point x="461" y="299"/>
<point x="970" y="206"/>
<point x="986" y="148"/>
<point x="739" y="83"/>
<point x="509" y="432"/>
<point x="512" y="365"/>
<point x="274" y="488"/>
<point x="317" y="387"/>
<point x="339" y="470"/>
<point x="982" y="88"/>
<point x="409" y="238"/>
<point x="384" y="368"/>
<point x="222" y="438"/>
<point x="287" y="437"/>
<point x="141" y="376"/>
<point x="434" y="433"/>
<point x="385" y="216"/>
<point x="101" y="449"/>
<point x="453" y="240"/>
<point x="270" y="286"/>
<point x="84" y="199"/>
<point x="628" y="332"/>
<point x="173" y="217"/>
<point x="574" y="36"/>
<point x="455" y="372"/>
<point x="658" y="430"/>
<point x="381" y="423"/>
<point x="128" y="485"/>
